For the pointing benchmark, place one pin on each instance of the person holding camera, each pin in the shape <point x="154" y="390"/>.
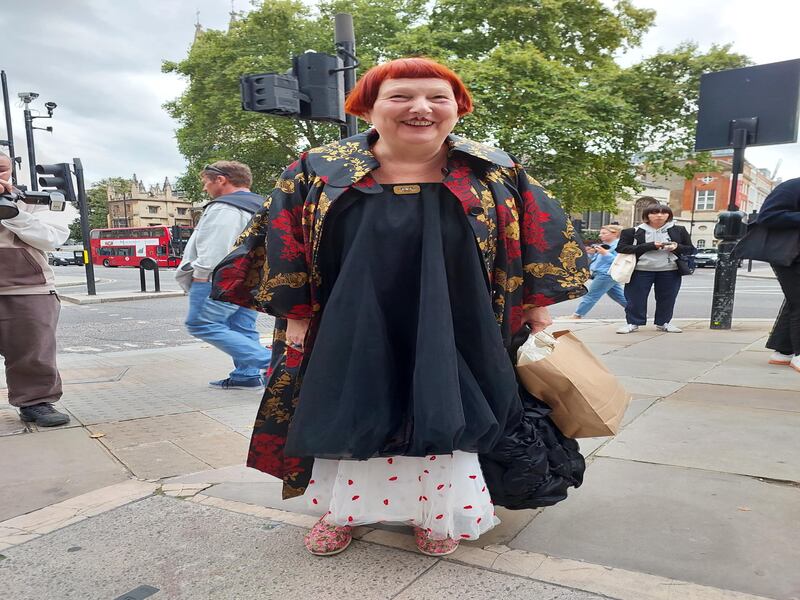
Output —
<point x="602" y="255"/>
<point x="29" y="309"/>
<point x="658" y="245"/>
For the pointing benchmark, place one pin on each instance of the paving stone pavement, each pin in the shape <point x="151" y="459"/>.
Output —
<point x="701" y="486"/>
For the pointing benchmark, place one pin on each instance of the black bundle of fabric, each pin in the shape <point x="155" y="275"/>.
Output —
<point x="533" y="464"/>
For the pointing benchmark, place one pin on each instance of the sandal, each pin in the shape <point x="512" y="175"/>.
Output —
<point x="326" y="540"/>
<point x="431" y="547"/>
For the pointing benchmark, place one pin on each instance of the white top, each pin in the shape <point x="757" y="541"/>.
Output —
<point x="211" y="241"/>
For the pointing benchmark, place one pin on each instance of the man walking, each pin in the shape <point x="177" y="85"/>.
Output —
<point x="230" y="328"/>
<point x="29" y="309"/>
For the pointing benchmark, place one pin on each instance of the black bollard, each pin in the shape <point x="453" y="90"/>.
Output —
<point x="148" y="264"/>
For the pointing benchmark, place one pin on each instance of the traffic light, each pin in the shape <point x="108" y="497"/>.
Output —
<point x="313" y="89"/>
<point x="58" y="176"/>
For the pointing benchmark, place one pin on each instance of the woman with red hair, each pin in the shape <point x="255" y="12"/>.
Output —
<point x="399" y="264"/>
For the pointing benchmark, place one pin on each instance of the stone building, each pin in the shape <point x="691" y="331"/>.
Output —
<point x="146" y="207"/>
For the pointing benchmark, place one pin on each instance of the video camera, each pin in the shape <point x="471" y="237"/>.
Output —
<point x="8" y="202"/>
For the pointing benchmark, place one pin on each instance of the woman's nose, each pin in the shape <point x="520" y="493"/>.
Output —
<point x="421" y="105"/>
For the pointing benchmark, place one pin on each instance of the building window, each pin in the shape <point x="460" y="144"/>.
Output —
<point x="706" y="200"/>
<point x="152" y="210"/>
<point x="182" y="211"/>
<point x="701" y="243"/>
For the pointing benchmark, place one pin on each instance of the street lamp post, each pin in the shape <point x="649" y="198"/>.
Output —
<point x="27" y="98"/>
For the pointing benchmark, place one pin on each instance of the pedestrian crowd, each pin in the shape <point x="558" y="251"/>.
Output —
<point x="402" y="265"/>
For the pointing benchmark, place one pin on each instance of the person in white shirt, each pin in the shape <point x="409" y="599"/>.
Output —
<point x="29" y="308"/>
<point x="230" y="328"/>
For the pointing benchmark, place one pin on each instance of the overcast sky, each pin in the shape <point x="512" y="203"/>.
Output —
<point x="100" y="60"/>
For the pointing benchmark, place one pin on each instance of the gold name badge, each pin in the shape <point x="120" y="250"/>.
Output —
<point x="406" y="189"/>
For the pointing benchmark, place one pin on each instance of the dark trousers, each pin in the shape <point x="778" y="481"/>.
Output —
<point x="785" y="336"/>
<point x="28" y="345"/>
<point x="667" y="284"/>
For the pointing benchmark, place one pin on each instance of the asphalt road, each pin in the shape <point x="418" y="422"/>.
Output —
<point x="117" y="326"/>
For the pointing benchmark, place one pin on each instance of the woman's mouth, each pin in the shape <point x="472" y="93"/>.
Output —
<point x="418" y="123"/>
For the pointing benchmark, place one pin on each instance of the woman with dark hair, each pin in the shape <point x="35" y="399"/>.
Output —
<point x="400" y="263"/>
<point x="658" y="244"/>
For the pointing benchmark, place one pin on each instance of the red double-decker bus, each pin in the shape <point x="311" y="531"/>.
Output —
<point x="127" y="246"/>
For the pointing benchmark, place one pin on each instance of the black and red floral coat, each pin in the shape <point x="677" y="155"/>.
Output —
<point x="531" y="256"/>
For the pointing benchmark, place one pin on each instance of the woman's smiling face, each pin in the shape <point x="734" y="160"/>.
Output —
<point x="414" y="111"/>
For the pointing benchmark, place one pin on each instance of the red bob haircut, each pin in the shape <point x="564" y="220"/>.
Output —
<point x="362" y="98"/>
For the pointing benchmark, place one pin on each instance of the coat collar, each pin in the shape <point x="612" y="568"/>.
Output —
<point x="348" y="162"/>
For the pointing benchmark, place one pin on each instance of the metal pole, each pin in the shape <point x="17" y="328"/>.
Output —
<point x="84" y="208"/>
<point x="345" y="40"/>
<point x="725" y="273"/>
<point x="9" y="129"/>
<point x="31" y="150"/>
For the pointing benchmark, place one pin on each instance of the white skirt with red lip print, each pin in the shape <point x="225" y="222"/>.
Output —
<point x="445" y="494"/>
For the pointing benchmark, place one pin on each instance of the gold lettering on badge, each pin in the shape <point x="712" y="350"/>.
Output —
<point x="406" y="189"/>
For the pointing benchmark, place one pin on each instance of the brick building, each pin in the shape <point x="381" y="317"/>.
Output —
<point x="707" y="194"/>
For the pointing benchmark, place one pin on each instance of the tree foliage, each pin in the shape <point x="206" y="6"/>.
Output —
<point x="544" y="73"/>
<point x="97" y="204"/>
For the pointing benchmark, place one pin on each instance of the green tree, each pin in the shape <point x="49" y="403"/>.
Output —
<point x="97" y="204"/>
<point x="544" y="74"/>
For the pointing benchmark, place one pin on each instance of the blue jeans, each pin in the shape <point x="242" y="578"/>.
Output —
<point x="667" y="284"/>
<point x="228" y="327"/>
<point x="601" y="284"/>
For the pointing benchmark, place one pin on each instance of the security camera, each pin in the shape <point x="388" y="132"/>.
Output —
<point x="50" y="106"/>
<point x="28" y="96"/>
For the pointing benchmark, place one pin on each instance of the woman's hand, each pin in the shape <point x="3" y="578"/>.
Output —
<point x="538" y="318"/>
<point x="296" y="333"/>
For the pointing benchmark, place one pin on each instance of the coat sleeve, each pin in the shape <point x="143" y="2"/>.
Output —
<point x="627" y="243"/>
<point x="268" y="269"/>
<point x="554" y="261"/>
<point x="685" y="245"/>
<point x="781" y="209"/>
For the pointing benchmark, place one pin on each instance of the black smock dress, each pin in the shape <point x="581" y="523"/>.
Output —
<point x="408" y="359"/>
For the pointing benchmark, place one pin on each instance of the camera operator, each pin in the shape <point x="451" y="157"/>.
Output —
<point x="29" y="309"/>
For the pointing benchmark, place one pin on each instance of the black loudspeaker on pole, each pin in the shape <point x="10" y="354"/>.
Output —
<point x="345" y="40"/>
<point x="83" y="205"/>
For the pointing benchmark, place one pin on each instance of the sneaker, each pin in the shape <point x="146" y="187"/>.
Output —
<point x="43" y="415"/>
<point x="628" y="328"/>
<point x="326" y="540"/>
<point x="254" y="383"/>
<point x="669" y="328"/>
<point x="779" y="358"/>
<point x="431" y="547"/>
<point x="795" y="364"/>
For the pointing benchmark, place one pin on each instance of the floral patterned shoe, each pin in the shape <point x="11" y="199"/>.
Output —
<point x="326" y="540"/>
<point x="434" y="547"/>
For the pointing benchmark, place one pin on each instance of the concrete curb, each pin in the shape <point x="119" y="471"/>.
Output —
<point x="56" y="516"/>
<point x="124" y="297"/>
<point x="597" y="579"/>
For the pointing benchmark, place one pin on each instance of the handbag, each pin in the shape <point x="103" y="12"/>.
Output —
<point x="622" y="268"/>
<point x="686" y="264"/>
<point x="776" y="246"/>
<point x="587" y="400"/>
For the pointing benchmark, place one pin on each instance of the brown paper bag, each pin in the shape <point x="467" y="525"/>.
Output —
<point x="587" y="400"/>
